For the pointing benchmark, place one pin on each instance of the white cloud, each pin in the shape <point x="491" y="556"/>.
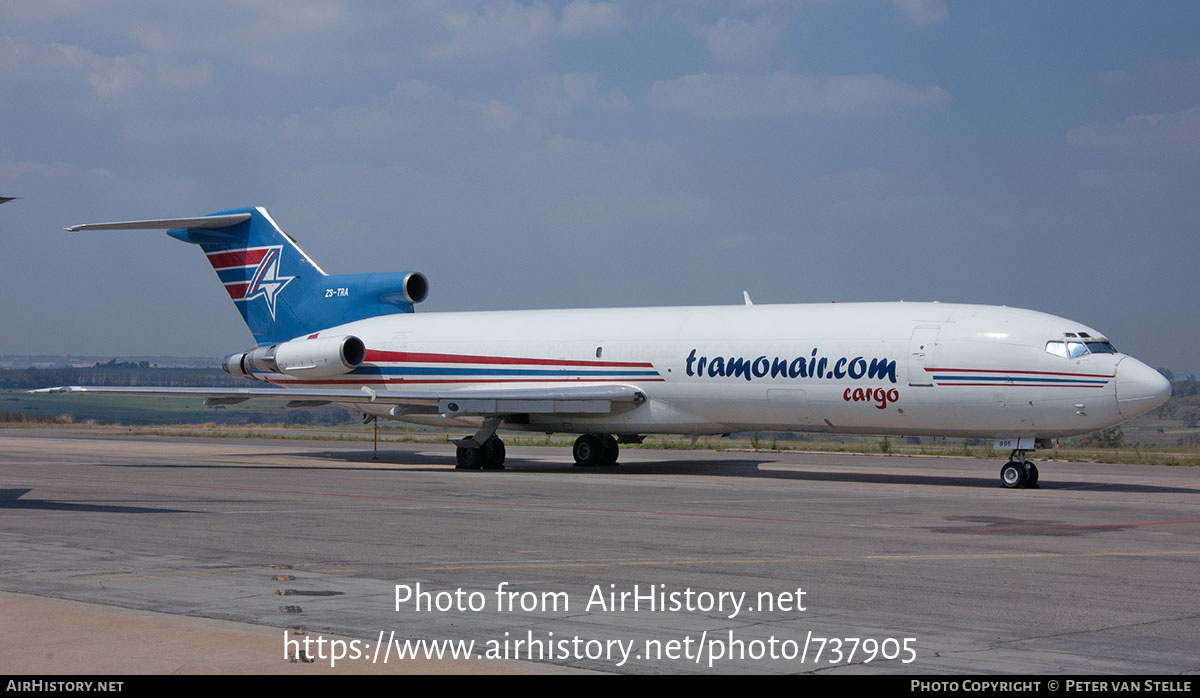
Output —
<point x="789" y="94"/>
<point x="413" y="116"/>
<point x="1178" y="75"/>
<point x="582" y="17"/>
<point x="117" y="78"/>
<point x="1143" y="134"/>
<point x="361" y="125"/>
<point x="922" y="11"/>
<point x="496" y="116"/>
<point x="110" y="80"/>
<point x="500" y="27"/>
<point x="12" y="171"/>
<point x="419" y="90"/>
<point x="415" y="113"/>
<point x="559" y="95"/>
<point x="737" y="42"/>
<point x="213" y="131"/>
<point x="280" y="37"/>
<point x="315" y="39"/>
<point x="493" y="29"/>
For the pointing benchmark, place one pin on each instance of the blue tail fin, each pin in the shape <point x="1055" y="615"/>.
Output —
<point x="281" y="293"/>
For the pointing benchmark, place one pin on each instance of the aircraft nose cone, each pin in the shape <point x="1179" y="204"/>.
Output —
<point x="1139" y="388"/>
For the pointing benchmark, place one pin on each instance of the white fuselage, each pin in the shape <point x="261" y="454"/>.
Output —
<point x="877" y="368"/>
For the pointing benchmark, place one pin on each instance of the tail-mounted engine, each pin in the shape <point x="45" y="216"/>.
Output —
<point x="321" y="357"/>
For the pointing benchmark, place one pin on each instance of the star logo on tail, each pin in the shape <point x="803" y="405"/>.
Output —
<point x="266" y="281"/>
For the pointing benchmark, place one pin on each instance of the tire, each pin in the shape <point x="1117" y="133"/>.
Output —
<point x="494" y="449"/>
<point x="612" y="450"/>
<point x="1031" y="475"/>
<point x="1012" y="475"/>
<point x="469" y="458"/>
<point x="588" y="451"/>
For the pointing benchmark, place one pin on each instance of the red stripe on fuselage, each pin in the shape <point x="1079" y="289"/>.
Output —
<point x="377" y="356"/>
<point x="406" y="381"/>
<point x="237" y="291"/>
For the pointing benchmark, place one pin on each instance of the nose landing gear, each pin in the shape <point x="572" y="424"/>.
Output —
<point x="1018" y="472"/>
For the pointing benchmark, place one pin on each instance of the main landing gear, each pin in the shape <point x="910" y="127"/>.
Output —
<point x="592" y="450"/>
<point x="1018" y="472"/>
<point x="489" y="456"/>
<point x="482" y="451"/>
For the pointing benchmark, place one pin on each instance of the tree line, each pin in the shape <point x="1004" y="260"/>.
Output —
<point x="1184" y="404"/>
<point x="114" y="373"/>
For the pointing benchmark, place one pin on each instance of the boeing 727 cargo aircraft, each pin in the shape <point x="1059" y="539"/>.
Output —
<point x="614" y="375"/>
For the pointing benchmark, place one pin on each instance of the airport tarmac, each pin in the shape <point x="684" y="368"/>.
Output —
<point x="112" y="544"/>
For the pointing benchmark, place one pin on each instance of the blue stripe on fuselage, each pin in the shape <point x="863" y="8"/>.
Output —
<point x="1021" y="379"/>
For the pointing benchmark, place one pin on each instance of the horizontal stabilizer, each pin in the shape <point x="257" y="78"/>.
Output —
<point x="200" y="222"/>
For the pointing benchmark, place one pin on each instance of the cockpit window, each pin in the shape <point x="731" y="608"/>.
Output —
<point x="1073" y="350"/>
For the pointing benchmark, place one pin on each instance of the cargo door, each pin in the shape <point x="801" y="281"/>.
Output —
<point x="922" y="355"/>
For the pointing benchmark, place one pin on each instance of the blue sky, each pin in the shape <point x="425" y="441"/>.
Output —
<point x="559" y="154"/>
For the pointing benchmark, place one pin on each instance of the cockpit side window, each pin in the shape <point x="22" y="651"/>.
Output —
<point x="1070" y="349"/>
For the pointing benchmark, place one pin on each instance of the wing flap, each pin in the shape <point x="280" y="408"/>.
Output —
<point x="491" y="406"/>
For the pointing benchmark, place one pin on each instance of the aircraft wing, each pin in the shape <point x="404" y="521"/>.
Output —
<point x="584" y="399"/>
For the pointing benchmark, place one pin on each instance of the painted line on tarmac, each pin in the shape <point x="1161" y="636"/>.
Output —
<point x="799" y="560"/>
